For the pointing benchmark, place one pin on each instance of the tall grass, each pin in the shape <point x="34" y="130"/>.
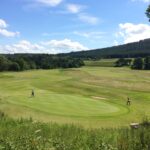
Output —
<point x="30" y="135"/>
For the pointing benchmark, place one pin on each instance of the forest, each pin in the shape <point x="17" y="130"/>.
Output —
<point x="20" y="62"/>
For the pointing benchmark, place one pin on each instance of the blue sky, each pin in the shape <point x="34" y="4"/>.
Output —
<point x="56" y="26"/>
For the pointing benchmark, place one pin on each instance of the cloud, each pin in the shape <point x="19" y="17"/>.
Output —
<point x="145" y="1"/>
<point x="50" y="3"/>
<point x="3" y="24"/>
<point x="22" y="47"/>
<point x="69" y="8"/>
<point x="92" y="35"/>
<point x="50" y="47"/>
<point x="133" y="32"/>
<point x="63" y="46"/>
<point x="5" y="32"/>
<point x="74" y="8"/>
<point x="84" y="17"/>
<point x="116" y="43"/>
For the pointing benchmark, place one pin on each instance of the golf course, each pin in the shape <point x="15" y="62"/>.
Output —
<point x="92" y="97"/>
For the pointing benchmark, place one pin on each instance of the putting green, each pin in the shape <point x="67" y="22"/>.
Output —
<point x="66" y="105"/>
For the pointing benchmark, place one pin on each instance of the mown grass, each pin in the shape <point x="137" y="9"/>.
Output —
<point x="68" y="96"/>
<point x="30" y="135"/>
<point x="101" y="63"/>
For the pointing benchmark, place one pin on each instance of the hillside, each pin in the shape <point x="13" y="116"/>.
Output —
<point x="136" y="49"/>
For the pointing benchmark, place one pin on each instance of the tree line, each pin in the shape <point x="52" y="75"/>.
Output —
<point x="21" y="62"/>
<point x="136" y="63"/>
<point x="130" y="50"/>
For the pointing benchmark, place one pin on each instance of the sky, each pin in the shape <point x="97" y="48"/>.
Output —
<point x="61" y="26"/>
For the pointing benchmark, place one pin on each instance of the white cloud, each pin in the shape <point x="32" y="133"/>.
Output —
<point x="65" y="45"/>
<point x="51" y="3"/>
<point x="116" y="43"/>
<point x="5" y="32"/>
<point x="92" y="35"/>
<point x="3" y="24"/>
<point x="70" y="8"/>
<point x="26" y="46"/>
<point x="82" y="16"/>
<point x="22" y="47"/>
<point x="88" y="19"/>
<point x="74" y="8"/>
<point x="133" y="32"/>
<point x="145" y="1"/>
<point x="51" y="47"/>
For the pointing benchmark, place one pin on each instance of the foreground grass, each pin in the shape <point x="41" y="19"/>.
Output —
<point x="29" y="135"/>
<point x="92" y="97"/>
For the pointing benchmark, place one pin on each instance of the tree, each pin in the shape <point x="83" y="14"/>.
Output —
<point x="137" y="64"/>
<point x="32" y="64"/>
<point x="4" y="63"/>
<point x="147" y="63"/>
<point x="14" y="66"/>
<point x="123" y="62"/>
<point x="23" y="64"/>
<point x="148" y="12"/>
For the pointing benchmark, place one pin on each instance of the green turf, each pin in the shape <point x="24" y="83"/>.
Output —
<point x="89" y="96"/>
<point x="101" y="63"/>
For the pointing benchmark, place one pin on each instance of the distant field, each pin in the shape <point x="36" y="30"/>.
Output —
<point x="101" y="63"/>
<point x="89" y="96"/>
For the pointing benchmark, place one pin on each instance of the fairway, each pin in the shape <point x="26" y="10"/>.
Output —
<point x="101" y="63"/>
<point x="89" y="96"/>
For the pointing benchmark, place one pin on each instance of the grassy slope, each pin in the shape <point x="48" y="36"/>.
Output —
<point x="66" y="96"/>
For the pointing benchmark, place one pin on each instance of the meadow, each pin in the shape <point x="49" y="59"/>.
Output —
<point x="91" y="97"/>
<point x="25" y="134"/>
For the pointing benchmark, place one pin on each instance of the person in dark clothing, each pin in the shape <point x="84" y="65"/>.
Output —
<point x="32" y="93"/>
<point x="128" y="101"/>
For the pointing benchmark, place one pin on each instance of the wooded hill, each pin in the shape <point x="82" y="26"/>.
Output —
<point x="136" y="49"/>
